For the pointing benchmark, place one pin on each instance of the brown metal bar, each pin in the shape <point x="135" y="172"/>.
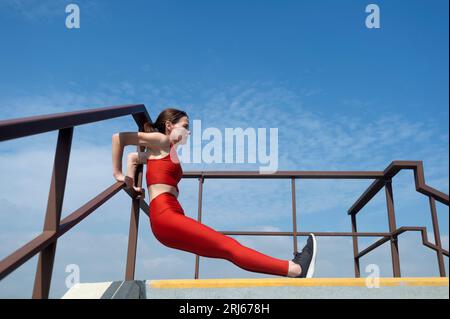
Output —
<point x="421" y="187"/>
<point x="294" y="214"/>
<point x="134" y="225"/>
<point x="53" y="215"/>
<point x="132" y="240"/>
<point x="389" y="173"/>
<point x="142" y="203"/>
<point x="81" y="213"/>
<point x="373" y="246"/>
<point x="368" y="194"/>
<point x="27" y="126"/>
<point x="434" y="193"/>
<point x="437" y="236"/>
<point x="199" y="218"/>
<point x="392" y="228"/>
<point x="355" y="247"/>
<point x="285" y="174"/>
<point x="400" y="231"/>
<point x="23" y="254"/>
<point x="424" y="235"/>
<point x="317" y="234"/>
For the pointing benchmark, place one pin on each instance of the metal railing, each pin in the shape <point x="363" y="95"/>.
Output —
<point x="54" y="227"/>
<point x="381" y="179"/>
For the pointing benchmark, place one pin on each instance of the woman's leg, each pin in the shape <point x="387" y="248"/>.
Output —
<point x="178" y="231"/>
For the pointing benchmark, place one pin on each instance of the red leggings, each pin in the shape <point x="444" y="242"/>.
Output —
<point x="173" y="229"/>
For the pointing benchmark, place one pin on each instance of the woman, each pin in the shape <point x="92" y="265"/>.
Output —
<point x="169" y="223"/>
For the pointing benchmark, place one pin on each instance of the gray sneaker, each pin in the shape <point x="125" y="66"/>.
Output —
<point x="307" y="258"/>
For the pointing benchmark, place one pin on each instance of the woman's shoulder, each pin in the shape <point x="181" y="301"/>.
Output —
<point x="155" y="140"/>
<point x="159" y="151"/>
<point x="155" y="134"/>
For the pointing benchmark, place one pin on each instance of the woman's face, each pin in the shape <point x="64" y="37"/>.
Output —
<point x="181" y="128"/>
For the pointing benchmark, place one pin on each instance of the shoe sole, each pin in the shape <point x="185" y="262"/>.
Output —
<point x="310" y="271"/>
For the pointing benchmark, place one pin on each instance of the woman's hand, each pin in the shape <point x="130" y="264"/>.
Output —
<point x="119" y="177"/>
<point x="130" y="184"/>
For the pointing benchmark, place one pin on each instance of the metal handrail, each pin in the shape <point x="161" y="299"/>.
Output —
<point x="389" y="173"/>
<point x="45" y="243"/>
<point x="26" y="126"/>
<point x="54" y="227"/>
<point x="382" y="179"/>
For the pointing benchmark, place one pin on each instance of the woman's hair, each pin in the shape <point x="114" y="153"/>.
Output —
<point x="169" y="114"/>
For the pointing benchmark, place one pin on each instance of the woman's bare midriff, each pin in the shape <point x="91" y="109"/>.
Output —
<point x="156" y="189"/>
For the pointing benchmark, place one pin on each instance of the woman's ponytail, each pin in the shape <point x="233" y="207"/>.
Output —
<point x="149" y="127"/>
<point x="169" y="114"/>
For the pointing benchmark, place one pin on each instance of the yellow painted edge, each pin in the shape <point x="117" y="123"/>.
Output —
<point x="303" y="282"/>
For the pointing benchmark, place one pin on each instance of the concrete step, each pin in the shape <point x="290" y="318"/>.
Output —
<point x="266" y="288"/>
<point x="108" y="290"/>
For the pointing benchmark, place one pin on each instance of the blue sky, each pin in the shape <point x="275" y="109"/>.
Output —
<point x="342" y="96"/>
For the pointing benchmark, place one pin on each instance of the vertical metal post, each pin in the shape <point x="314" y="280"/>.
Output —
<point x="392" y="228"/>
<point x="199" y="218"/>
<point x="437" y="236"/>
<point x="294" y="213"/>
<point x="134" y="225"/>
<point x="355" y="247"/>
<point x="46" y="260"/>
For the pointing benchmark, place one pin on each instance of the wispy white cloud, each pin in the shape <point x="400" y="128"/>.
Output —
<point x="43" y="9"/>
<point x="313" y="139"/>
<point x="35" y="8"/>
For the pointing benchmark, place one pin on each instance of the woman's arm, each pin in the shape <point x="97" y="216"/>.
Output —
<point x="120" y="140"/>
<point x="132" y="163"/>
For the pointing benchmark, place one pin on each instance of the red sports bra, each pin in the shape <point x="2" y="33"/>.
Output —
<point x="164" y="170"/>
